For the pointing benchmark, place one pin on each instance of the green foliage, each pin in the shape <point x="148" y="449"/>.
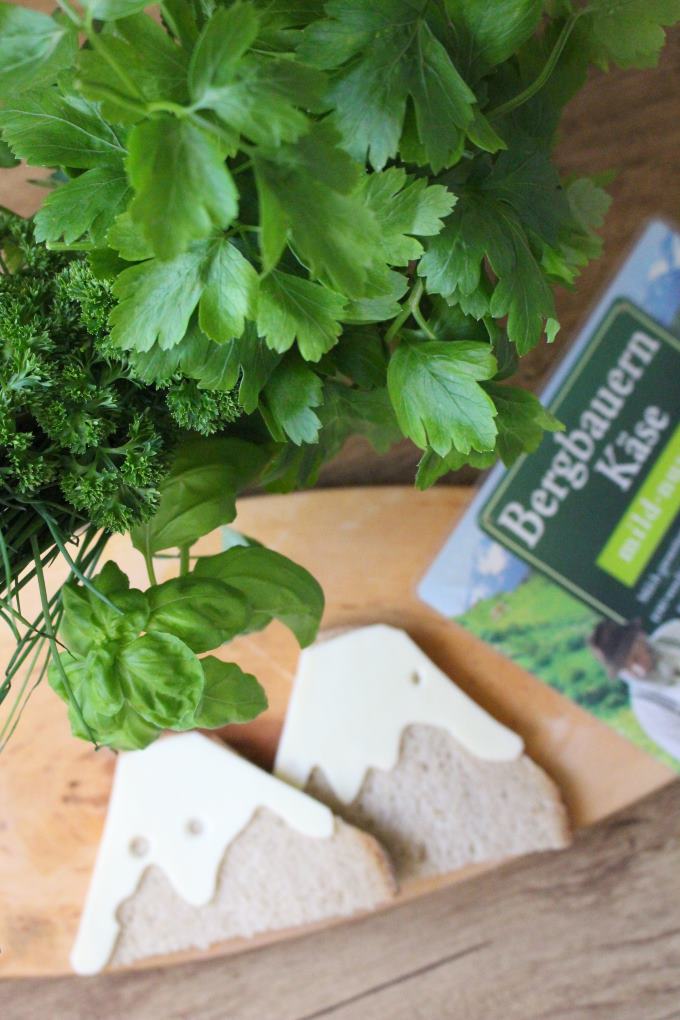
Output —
<point x="627" y="32"/>
<point x="76" y="427"/>
<point x="87" y="204"/>
<point x="290" y="308"/>
<point x="273" y="226"/>
<point x="47" y="128"/>
<point x="33" y="49"/>
<point x="157" y="297"/>
<point x="130" y="668"/>
<point x="521" y="421"/>
<point x="434" y="386"/>
<point x="275" y="587"/>
<point x="385" y="55"/>
<point x="235" y="158"/>
<point x="229" y="695"/>
<point x="198" y="493"/>
<point x="203" y="612"/>
<point x="183" y="190"/>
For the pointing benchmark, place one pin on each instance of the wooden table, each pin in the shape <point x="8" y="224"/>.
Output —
<point x="592" y="932"/>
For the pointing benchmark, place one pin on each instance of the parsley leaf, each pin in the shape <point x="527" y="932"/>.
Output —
<point x="383" y="306"/>
<point x="435" y="391"/>
<point x="387" y="54"/>
<point x="288" y="401"/>
<point x="229" y="293"/>
<point x="486" y="33"/>
<point x="524" y="179"/>
<point x="225" y="38"/>
<point x="347" y="410"/>
<point x="256" y="95"/>
<point x="183" y="189"/>
<point x="7" y="160"/>
<point x="482" y="227"/>
<point x="312" y="182"/>
<point x="137" y="64"/>
<point x="577" y="242"/>
<point x="432" y="467"/>
<point x="362" y="357"/>
<point x="404" y="207"/>
<point x="521" y="421"/>
<point x="290" y="308"/>
<point x="257" y="362"/>
<point x="48" y="129"/>
<point x="34" y="48"/>
<point x="109" y="10"/>
<point x="158" y="297"/>
<point x="88" y="203"/>
<point x="629" y="33"/>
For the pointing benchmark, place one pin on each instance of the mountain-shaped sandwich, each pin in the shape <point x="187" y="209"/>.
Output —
<point x="200" y="846"/>
<point x="393" y="746"/>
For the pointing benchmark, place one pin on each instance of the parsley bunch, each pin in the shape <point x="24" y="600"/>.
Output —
<point x="78" y="431"/>
<point x="317" y="218"/>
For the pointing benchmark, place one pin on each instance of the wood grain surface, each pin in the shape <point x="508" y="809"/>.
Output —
<point x="593" y="932"/>
<point x="369" y="548"/>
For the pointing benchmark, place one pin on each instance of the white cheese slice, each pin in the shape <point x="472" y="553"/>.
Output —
<point x="178" y="805"/>
<point x="354" y="695"/>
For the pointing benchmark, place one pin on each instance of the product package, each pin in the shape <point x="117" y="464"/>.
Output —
<point x="569" y="561"/>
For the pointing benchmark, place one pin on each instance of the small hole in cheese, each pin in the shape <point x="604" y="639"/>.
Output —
<point x="139" y="846"/>
<point x="415" y="678"/>
<point x="194" y="827"/>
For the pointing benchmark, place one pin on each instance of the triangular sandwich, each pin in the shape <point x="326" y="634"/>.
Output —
<point x="376" y="731"/>
<point x="200" y="846"/>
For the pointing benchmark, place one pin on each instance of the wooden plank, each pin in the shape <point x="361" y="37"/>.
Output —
<point x="592" y="932"/>
<point x="368" y="548"/>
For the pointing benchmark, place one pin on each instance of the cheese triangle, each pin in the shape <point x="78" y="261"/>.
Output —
<point x="391" y="744"/>
<point x="178" y="809"/>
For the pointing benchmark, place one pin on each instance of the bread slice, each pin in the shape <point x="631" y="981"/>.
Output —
<point x="441" y="807"/>
<point x="392" y="745"/>
<point x="199" y="845"/>
<point x="271" y="878"/>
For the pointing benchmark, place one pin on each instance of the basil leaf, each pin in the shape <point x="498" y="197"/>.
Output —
<point x="162" y="679"/>
<point x="199" y="492"/>
<point x="276" y="588"/>
<point x="92" y="717"/>
<point x="89" y="621"/>
<point x="202" y="612"/>
<point x="229" y="695"/>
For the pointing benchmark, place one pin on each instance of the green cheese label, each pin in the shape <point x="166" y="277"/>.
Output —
<point x="597" y="507"/>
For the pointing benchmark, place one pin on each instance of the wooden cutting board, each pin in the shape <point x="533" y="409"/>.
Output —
<point x="369" y="548"/>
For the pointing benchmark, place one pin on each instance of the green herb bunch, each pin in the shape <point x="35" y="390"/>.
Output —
<point x="79" y="434"/>
<point x="316" y="218"/>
